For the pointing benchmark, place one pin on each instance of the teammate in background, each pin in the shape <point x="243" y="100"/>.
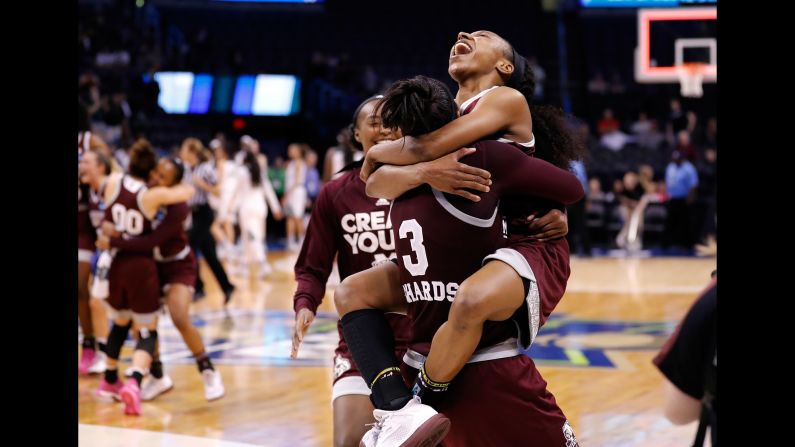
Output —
<point x="295" y="196"/>
<point x="176" y="268"/>
<point x="251" y="193"/>
<point x="134" y="288"/>
<point x="90" y="360"/>
<point x="484" y="65"/>
<point x="94" y="170"/>
<point x="223" y="229"/>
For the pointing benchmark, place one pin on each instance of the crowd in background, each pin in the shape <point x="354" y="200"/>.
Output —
<point x="650" y="173"/>
<point x="651" y="182"/>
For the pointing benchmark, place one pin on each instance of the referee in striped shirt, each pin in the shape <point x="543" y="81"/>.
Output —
<point x="202" y="176"/>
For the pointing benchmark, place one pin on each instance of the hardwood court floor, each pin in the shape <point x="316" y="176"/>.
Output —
<point x="595" y="353"/>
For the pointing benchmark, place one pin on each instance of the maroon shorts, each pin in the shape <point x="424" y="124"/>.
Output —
<point x="344" y="366"/>
<point x="86" y="237"/>
<point x="501" y="402"/>
<point x="134" y="284"/>
<point x="545" y="269"/>
<point x="182" y="271"/>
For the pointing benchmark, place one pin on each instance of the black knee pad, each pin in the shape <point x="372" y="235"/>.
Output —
<point x="116" y="338"/>
<point x="147" y="341"/>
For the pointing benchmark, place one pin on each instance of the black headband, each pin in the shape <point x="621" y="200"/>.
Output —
<point x="180" y="168"/>
<point x="359" y="109"/>
<point x="518" y="70"/>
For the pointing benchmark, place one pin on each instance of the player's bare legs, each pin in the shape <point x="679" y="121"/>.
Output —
<point x="84" y="315"/>
<point x="144" y="352"/>
<point x="110" y="386"/>
<point x="362" y="299"/>
<point x="351" y="414"/>
<point x="178" y="301"/>
<point x="492" y="293"/>
<point x="375" y="288"/>
<point x="217" y="231"/>
<point x="99" y="316"/>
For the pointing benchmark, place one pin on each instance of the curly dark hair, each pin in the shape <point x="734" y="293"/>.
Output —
<point x="555" y="142"/>
<point x="142" y="159"/>
<point x="417" y="106"/>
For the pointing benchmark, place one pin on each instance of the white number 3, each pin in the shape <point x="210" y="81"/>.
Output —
<point x="418" y="268"/>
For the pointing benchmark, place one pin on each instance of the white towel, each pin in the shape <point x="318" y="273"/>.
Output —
<point x="101" y="287"/>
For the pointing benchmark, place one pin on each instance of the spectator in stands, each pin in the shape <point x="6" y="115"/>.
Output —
<point x="312" y="176"/>
<point x="646" y="133"/>
<point x="609" y="131"/>
<point x="540" y="77"/>
<point x="578" y="237"/>
<point x="707" y="194"/>
<point x="685" y="146"/>
<point x="689" y="362"/>
<point x="597" y="85"/>
<point x="594" y="191"/>
<point x="88" y="92"/>
<point x="618" y="190"/>
<point x="646" y="179"/>
<point x="608" y="123"/>
<point x="681" y="181"/>
<point x="116" y="115"/>
<point x="276" y="176"/>
<point x="616" y="84"/>
<point x="631" y="212"/>
<point x="711" y="133"/>
<point x="693" y="128"/>
<point x="642" y="126"/>
<point x="677" y="121"/>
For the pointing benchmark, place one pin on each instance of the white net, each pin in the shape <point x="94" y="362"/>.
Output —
<point x="691" y="79"/>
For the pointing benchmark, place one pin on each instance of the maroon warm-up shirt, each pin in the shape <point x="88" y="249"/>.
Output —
<point x="356" y="229"/>
<point x="441" y="240"/>
<point x="169" y="234"/>
<point x="125" y="211"/>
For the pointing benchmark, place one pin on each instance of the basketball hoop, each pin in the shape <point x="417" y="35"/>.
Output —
<point x="691" y="77"/>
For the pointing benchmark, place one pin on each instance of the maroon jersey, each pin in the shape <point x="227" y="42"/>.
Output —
<point x="125" y="211"/>
<point x="96" y="206"/>
<point x="441" y="240"/>
<point x="356" y="229"/>
<point x="347" y="224"/>
<point x="176" y="246"/>
<point x="549" y="260"/>
<point x="168" y="240"/>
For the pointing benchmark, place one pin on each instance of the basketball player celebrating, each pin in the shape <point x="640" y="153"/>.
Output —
<point x="253" y="190"/>
<point x="482" y="63"/>
<point x="134" y="288"/>
<point x="176" y="269"/>
<point x="355" y="228"/>
<point x="534" y="272"/>
<point x="295" y="195"/>
<point x="94" y="170"/>
<point x="90" y="361"/>
<point x="432" y="263"/>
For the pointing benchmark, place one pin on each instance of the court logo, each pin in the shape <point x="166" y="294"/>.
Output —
<point x="568" y="433"/>
<point x="341" y="365"/>
<point x="264" y="338"/>
<point x="566" y="341"/>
